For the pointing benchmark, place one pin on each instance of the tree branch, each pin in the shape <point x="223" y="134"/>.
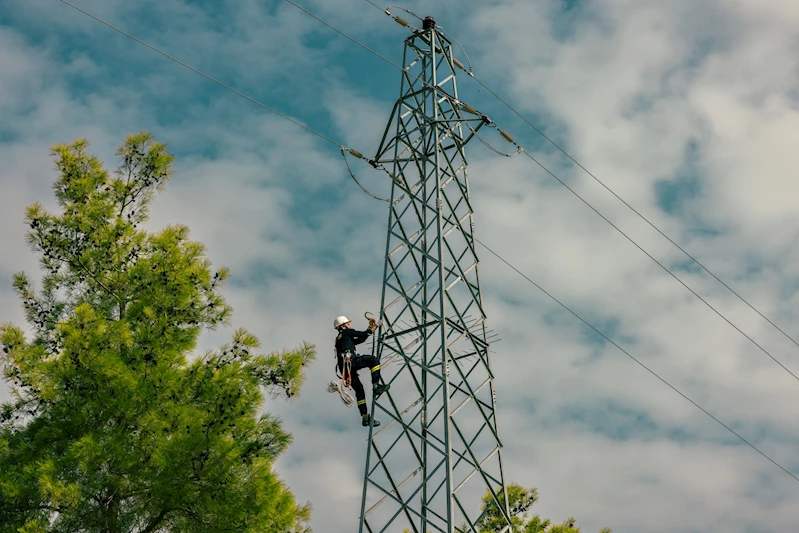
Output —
<point x="125" y="196"/>
<point x="156" y="521"/>
<point x="100" y="283"/>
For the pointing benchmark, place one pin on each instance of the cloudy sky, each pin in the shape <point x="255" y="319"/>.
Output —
<point x="688" y="110"/>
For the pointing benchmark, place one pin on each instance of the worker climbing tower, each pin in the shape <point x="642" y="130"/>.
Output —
<point x="439" y="450"/>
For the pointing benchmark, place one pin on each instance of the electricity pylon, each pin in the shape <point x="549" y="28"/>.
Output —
<point x="438" y="451"/>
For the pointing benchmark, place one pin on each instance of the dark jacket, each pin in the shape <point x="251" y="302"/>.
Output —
<point x="347" y="339"/>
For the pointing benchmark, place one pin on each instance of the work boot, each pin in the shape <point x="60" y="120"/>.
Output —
<point x="380" y="389"/>
<point x="365" y="421"/>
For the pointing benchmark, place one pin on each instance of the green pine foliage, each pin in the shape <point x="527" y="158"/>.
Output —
<point x="113" y="425"/>
<point x="520" y="500"/>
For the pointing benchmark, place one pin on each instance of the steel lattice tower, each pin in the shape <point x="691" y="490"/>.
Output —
<point x="438" y="450"/>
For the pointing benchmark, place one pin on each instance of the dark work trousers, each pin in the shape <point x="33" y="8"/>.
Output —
<point x="360" y="362"/>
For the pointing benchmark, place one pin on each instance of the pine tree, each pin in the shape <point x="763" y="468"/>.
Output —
<point x="115" y="424"/>
<point x="520" y="500"/>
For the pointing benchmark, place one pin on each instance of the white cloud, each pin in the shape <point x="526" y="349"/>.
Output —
<point x="625" y="86"/>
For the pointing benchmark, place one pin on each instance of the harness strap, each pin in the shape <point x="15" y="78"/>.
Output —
<point x="346" y="372"/>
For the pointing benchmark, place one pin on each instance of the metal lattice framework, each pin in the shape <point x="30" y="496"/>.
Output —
<point x="438" y="451"/>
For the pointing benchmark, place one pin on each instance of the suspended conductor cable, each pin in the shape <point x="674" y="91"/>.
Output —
<point x="642" y="217"/>
<point x="488" y="145"/>
<point x="251" y="99"/>
<point x="352" y="175"/>
<point x="661" y="265"/>
<point x="470" y="72"/>
<point x="399" y="20"/>
<point x="322" y="136"/>
<point x="628" y="354"/>
<point x="480" y="242"/>
<point x="353" y="39"/>
<point x="377" y="6"/>
<point x="201" y="73"/>
<point x="495" y="150"/>
<point x="650" y="256"/>
<point x="725" y="426"/>
<point x="520" y="150"/>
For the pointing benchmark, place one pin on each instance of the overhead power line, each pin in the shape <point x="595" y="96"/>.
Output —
<point x="664" y="267"/>
<point x="520" y="149"/>
<point x="377" y="6"/>
<point x="471" y="73"/>
<point x="642" y="217"/>
<point x="575" y="193"/>
<point x="203" y="74"/>
<point x="480" y="242"/>
<point x="628" y="354"/>
<point x="356" y="41"/>
<point x="343" y="148"/>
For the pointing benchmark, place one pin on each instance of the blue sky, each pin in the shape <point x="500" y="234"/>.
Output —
<point x="687" y="110"/>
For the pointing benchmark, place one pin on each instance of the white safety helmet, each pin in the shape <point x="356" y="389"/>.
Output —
<point x="340" y="321"/>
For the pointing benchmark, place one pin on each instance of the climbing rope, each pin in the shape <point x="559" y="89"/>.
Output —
<point x="345" y="383"/>
<point x="335" y="386"/>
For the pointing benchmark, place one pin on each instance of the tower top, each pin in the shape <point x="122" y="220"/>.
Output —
<point x="429" y="23"/>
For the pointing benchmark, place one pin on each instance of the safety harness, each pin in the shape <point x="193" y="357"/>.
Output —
<point x="346" y="372"/>
<point x="345" y="382"/>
